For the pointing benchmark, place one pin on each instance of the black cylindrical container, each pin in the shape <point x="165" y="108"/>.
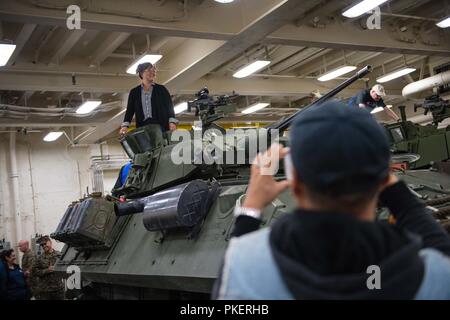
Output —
<point x="180" y="206"/>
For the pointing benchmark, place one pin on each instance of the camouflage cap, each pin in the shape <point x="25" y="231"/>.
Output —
<point x="43" y="239"/>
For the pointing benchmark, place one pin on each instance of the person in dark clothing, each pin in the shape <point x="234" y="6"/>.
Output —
<point x="371" y="99"/>
<point x="149" y="102"/>
<point x="329" y="246"/>
<point x="12" y="279"/>
<point x="3" y="291"/>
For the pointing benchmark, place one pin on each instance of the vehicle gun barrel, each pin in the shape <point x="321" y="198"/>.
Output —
<point x="129" y="208"/>
<point x="283" y="125"/>
<point x="180" y="206"/>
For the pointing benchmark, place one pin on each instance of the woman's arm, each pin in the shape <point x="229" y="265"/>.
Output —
<point x="130" y="110"/>
<point x="169" y="105"/>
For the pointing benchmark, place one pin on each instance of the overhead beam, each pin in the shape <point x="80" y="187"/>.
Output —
<point x="385" y="59"/>
<point x="4" y="122"/>
<point x="281" y="53"/>
<point x="294" y="59"/>
<point x="258" y="86"/>
<point x="254" y="52"/>
<point x="43" y="42"/>
<point x="104" y="129"/>
<point x="354" y="58"/>
<point x="408" y="78"/>
<point x="305" y="61"/>
<point x="321" y="9"/>
<point x="58" y="82"/>
<point x="277" y="14"/>
<point x="77" y="66"/>
<point x="98" y="83"/>
<point x="70" y="40"/>
<point x="189" y="61"/>
<point x="330" y="60"/>
<point x="200" y="25"/>
<point x="410" y="61"/>
<point x="108" y="46"/>
<point x="107" y="127"/>
<point x="25" y="97"/>
<point x="21" y="40"/>
<point x="365" y="57"/>
<point x="346" y="36"/>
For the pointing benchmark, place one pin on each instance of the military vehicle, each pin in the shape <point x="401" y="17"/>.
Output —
<point x="431" y="143"/>
<point x="164" y="233"/>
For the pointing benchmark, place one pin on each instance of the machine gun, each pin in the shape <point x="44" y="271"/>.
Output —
<point x="439" y="108"/>
<point x="211" y="108"/>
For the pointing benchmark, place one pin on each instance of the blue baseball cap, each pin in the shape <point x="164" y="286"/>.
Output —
<point x="339" y="150"/>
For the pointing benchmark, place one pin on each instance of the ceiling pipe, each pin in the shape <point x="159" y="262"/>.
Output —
<point x="404" y="16"/>
<point x="425" y="84"/>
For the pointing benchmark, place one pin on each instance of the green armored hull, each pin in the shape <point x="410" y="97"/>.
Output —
<point x="431" y="143"/>
<point x="142" y="264"/>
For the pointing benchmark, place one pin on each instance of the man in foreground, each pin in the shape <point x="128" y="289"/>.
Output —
<point x="330" y="245"/>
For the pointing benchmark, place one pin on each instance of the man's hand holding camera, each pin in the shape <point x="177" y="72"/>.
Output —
<point x="263" y="188"/>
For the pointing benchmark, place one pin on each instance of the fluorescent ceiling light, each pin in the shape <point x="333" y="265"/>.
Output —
<point x="361" y="8"/>
<point x="445" y="23"/>
<point x="224" y="1"/>
<point x="180" y="107"/>
<point x="53" y="135"/>
<point x="6" y="51"/>
<point x="395" y="74"/>
<point x="378" y="109"/>
<point x="152" y="58"/>
<point x="255" y="107"/>
<point x="336" y="73"/>
<point x="251" y="68"/>
<point x="88" y="106"/>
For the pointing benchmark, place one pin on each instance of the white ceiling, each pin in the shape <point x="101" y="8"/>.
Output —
<point x="203" y="43"/>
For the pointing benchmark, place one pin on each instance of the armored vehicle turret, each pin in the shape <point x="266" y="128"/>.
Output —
<point x="431" y="143"/>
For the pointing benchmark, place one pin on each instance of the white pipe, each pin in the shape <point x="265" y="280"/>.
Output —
<point x="15" y="187"/>
<point x="427" y="83"/>
<point x="33" y="194"/>
<point x="427" y="119"/>
<point x="3" y="219"/>
<point x="421" y="118"/>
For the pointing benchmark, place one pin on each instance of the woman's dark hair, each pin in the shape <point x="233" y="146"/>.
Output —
<point x="6" y="253"/>
<point x="142" y="67"/>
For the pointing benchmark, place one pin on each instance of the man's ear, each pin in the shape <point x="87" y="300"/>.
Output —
<point x="296" y="184"/>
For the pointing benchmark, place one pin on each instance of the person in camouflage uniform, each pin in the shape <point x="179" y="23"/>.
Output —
<point x="51" y="286"/>
<point x="28" y="260"/>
